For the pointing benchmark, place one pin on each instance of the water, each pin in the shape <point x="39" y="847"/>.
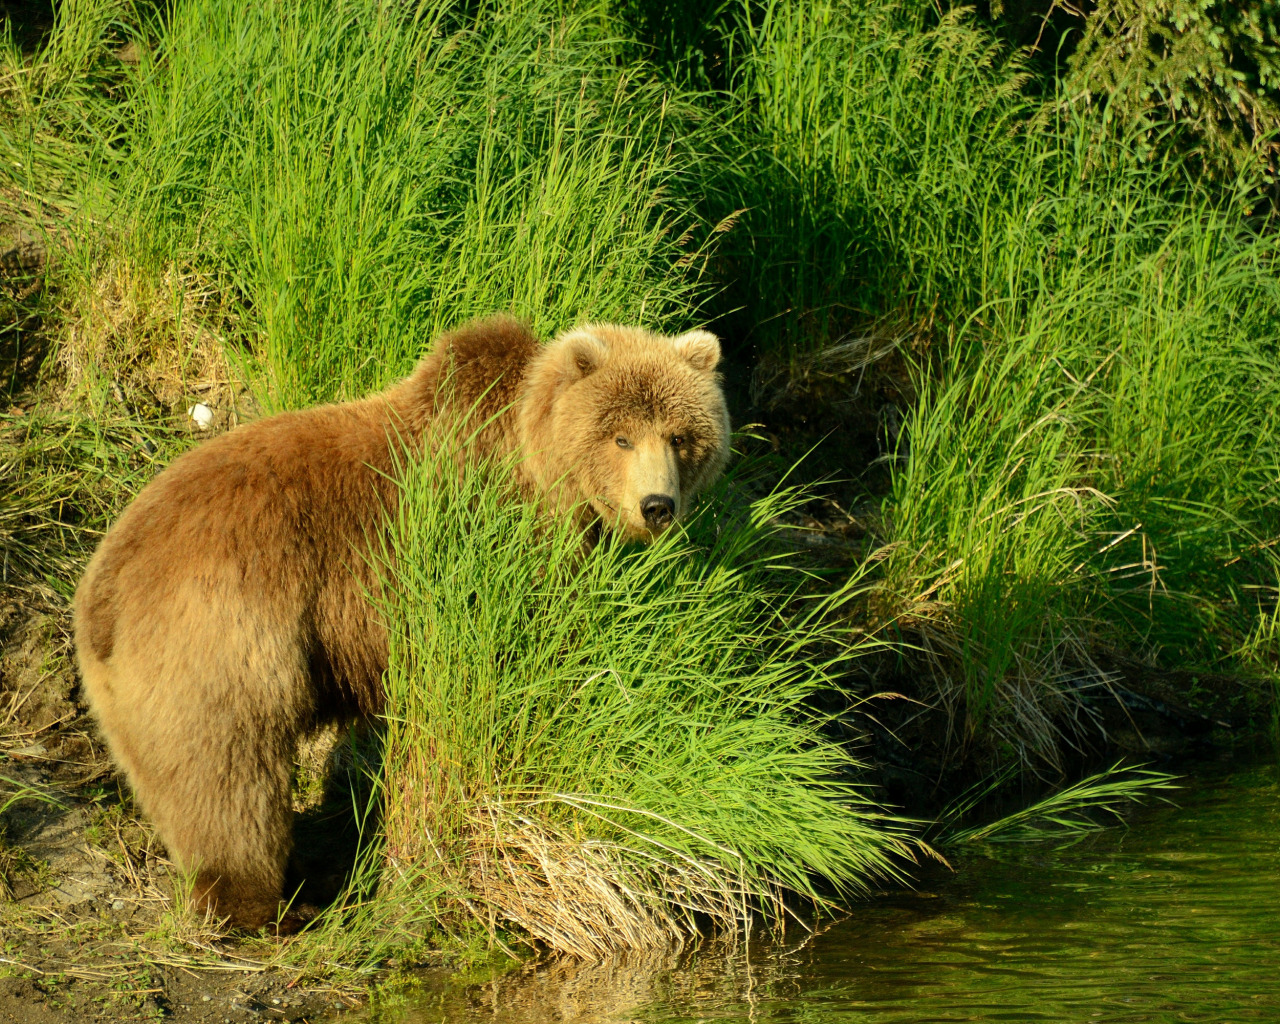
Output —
<point x="1176" y="919"/>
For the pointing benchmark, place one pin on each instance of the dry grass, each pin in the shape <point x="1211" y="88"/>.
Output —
<point x="834" y="374"/>
<point x="1047" y="703"/>
<point x="165" y="336"/>
<point x="592" y="898"/>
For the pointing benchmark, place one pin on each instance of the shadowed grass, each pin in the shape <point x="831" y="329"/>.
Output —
<point x="63" y="478"/>
<point x="1090" y="463"/>
<point x="1071" y="813"/>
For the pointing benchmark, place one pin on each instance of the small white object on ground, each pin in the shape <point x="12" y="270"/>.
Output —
<point x="202" y="415"/>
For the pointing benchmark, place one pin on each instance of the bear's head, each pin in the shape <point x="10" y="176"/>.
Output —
<point x="630" y="423"/>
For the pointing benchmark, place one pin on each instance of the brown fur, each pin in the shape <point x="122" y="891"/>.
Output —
<point x="224" y="615"/>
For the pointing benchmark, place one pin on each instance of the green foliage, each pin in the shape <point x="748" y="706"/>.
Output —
<point x="76" y="57"/>
<point x="365" y="176"/>
<point x="869" y="144"/>
<point x="52" y="110"/>
<point x="1209" y="65"/>
<point x="1070" y="813"/>
<point x="647" y="706"/>
<point x="1091" y="456"/>
<point x="1096" y="467"/>
<point x="1090" y="462"/>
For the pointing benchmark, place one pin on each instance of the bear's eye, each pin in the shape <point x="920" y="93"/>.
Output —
<point x="677" y="440"/>
<point x="623" y="442"/>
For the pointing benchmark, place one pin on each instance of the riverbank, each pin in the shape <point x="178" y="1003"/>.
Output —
<point x="1021" y="359"/>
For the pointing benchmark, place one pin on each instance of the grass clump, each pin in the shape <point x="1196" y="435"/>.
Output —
<point x="612" y="748"/>
<point x="63" y="478"/>
<point x="1078" y="338"/>
<point x="161" y="339"/>
<point x="1096" y="473"/>
<point x="478" y="160"/>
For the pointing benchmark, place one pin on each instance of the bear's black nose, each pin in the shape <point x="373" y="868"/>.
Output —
<point x="658" y="511"/>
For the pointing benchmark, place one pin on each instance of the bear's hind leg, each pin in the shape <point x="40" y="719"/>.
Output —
<point x="214" y="776"/>
<point x="232" y="827"/>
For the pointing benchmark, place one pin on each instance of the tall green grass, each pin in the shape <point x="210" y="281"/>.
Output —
<point x="871" y="151"/>
<point x="1091" y="463"/>
<point x="1067" y="815"/>
<point x="613" y="747"/>
<point x="363" y="176"/>
<point x="1098" y="472"/>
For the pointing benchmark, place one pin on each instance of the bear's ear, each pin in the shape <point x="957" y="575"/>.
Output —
<point x="700" y="349"/>
<point x="584" y="354"/>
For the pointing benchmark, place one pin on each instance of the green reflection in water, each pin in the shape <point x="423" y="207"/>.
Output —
<point x="1177" y="919"/>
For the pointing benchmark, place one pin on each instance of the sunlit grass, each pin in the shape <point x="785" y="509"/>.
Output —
<point x="614" y="747"/>
<point x="362" y="177"/>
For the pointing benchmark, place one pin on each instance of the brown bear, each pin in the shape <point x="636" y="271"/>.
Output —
<point x="225" y="615"/>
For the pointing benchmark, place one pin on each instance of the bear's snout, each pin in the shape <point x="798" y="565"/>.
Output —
<point x="658" y="511"/>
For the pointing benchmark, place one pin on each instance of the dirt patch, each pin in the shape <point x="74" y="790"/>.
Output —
<point x="173" y="995"/>
<point x="22" y="1001"/>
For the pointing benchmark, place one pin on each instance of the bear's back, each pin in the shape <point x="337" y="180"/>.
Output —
<point x="260" y="515"/>
<point x="277" y="516"/>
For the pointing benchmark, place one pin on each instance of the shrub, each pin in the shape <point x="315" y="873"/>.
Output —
<point x="1211" y="67"/>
